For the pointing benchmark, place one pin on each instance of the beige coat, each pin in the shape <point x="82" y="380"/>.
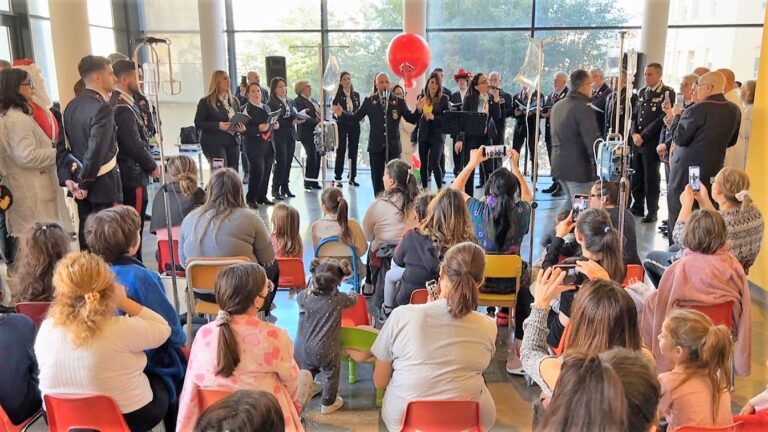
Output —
<point x="736" y="155"/>
<point x="28" y="163"/>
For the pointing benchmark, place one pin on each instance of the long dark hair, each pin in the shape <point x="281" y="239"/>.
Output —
<point x="333" y="199"/>
<point x="273" y="86"/>
<point x="243" y="410"/>
<point x="340" y="89"/>
<point x="405" y="185"/>
<point x="236" y="288"/>
<point x="600" y="237"/>
<point x="502" y="186"/>
<point x="471" y="90"/>
<point x="223" y="195"/>
<point x="433" y="76"/>
<point x="10" y="81"/>
<point x="327" y="274"/>
<point x="39" y="251"/>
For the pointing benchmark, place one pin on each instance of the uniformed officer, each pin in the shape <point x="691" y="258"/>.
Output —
<point x="525" y="120"/>
<point x="457" y="100"/>
<point x="600" y="92"/>
<point x="558" y="94"/>
<point x="610" y="108"/>
<point x="89" y="125"/>
<point x="383" y="144"/>
<point x="648" y="121"/>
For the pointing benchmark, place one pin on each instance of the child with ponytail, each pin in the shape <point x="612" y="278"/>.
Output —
<point x="695" y="392"/>
<point x="285" y="236"/>
<point x="317" y="343"/>
<point x="336" y="222"/>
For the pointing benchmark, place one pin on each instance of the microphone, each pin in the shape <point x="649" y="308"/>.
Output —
<point x="384" y="95"/>
<point x="149" y="40"/>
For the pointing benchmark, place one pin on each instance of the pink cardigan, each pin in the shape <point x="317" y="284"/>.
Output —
<point x="700" y="279"/>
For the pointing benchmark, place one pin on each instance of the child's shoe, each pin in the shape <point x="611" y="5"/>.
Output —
<point x="331" y="408"/>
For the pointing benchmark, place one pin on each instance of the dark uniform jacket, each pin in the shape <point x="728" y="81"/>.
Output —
<point x="549" y="102"/>
<point x="574" y="131"/>
<point x="599" y="99"/>
<point x="259" y="116"/>
<point x="341" y="100"/>
<point x="134" y="158"/>
<point x="668" y="132"/>
<point x="648" y="117"/>
<point x="506" y="105"/>
<point x="207" y="119"/>
<point x="89" y="125"/>
<point x="306" y="129"/>
<point x="373" y="108"/>
<point x="705" y="130"/>
<point x="610" y="112"/>
<point x="147" y="113"/>
<point x="430" y="131"/>
<point x="287" y="129"/>
<point x="526" y="121"/>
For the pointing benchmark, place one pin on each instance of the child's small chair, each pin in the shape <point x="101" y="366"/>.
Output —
<point x="442" y="416"/>
<point x="356" y="315"/>
<point x="292" y="273"/>
<point x="358" y="339"/>
<point x="96" y="412"/>
<point x="332" y="246"/>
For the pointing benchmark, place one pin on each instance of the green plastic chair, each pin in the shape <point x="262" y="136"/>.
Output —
<point x="358" y="339"/>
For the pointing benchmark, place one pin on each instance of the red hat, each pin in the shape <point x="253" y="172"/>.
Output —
<point x="461" y="74"/>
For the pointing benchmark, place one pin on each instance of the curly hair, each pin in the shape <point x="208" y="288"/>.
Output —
<point x="39" y="251"/>
<point x="83" y="296"/>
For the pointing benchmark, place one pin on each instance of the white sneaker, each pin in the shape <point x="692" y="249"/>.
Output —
<point x="514" y="365"/>
<point x="331" y="408"/>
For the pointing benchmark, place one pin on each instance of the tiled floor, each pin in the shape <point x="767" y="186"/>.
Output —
<point x="512" y="396"/>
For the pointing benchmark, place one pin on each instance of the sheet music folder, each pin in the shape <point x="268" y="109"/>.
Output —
<point x="470" y="122"/>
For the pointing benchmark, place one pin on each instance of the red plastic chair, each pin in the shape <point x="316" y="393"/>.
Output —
<point x="419" y="296"/>
<point x="6" y="425"/>
<point x="34" y="310"/>
<point x="634" y="271"/>
<point x="292" y="273"/>
<point x="720" y="314"/>
<point x="442" y="416"/>
<point x="97" y="412"/>
<point x="164" y="266"/>
<point x="357" y="315"/>
<point x="208" y="397"/>
<point x="736" y="427"/>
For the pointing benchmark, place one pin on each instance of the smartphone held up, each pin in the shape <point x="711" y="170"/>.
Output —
<point x="694" y="178"/>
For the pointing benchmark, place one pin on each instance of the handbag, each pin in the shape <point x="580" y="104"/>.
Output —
<point x="6" y="198"/>
<point x="189" y="135"/>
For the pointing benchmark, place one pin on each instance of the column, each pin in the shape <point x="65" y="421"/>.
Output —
<point x="212" y="47"/>
<point x="653" y="34"/>
<point x="71" y="34"/>
<point x="757" y="159"/>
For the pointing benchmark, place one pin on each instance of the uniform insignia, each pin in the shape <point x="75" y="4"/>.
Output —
<point x="395" y="115"/>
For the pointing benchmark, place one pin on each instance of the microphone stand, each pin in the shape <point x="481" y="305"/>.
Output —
<point x="385" y="100"/>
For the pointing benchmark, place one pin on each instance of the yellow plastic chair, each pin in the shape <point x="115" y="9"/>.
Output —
<point x="358" y="339"/>
<point x="201" y="279"/>
<point x="502" y="266"/>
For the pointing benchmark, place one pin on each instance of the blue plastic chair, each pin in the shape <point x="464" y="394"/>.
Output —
<point x="333" y="247"/>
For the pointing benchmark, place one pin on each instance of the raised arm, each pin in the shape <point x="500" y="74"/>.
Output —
<point x="476" y="157"/>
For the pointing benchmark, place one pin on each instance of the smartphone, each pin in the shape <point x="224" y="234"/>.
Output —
<point x="495" y="151"/>
<point x="217" y="163"/>
<point x="580" y="203"/>
<point x="667" y="102"/>
<point x="243" y="81"/>
<point x="572" y="275"/>
<point x="679" y="100"/>
<point x="432" y="289"/>
<point x="694" y="177"/>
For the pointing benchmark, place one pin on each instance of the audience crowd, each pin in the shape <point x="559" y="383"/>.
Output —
<point x="622" y="353"/>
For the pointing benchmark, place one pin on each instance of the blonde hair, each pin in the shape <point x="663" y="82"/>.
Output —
<point x="299" y="86"/>
<point x="182" y="170"/>
<point x="734" y="184"/>
<point x="213" y="89"/>
<point x="82" y="301"/>
<point x="447" y="222"/>
<point x="285" y="226"/>
<point x="708" y="349"/>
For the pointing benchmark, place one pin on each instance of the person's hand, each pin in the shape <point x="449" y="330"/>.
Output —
<point x="224" y="125"/>
<point x="702" y="194"/>
<point x="71" y="186"/>
<point x="637" y="139"/>
<point x="264" y="127"/>
<point x="457" y="146"/>
<point x="592" y="270"/>
<point x="298" y="122"/>
<point x="421" y="103"/>
<point x="633" y="280"/>
<point x="677" y="110"/>
<point x="565" y="226"/>
<point x="337" y="111"/>
<point x="477" y="156"/>
<point x="661" y="149"/>
<point x="549" y="285"/>
<point x="240" y="128"/>
<point x="687" y="197"/>
<point x="81" y="194"/>
<point x="514" y="159"/>
<point x="430" y="116"/>
<point x="747" y="409"/>
<point x="155" y="173"/>
<point x="276" y="126"/>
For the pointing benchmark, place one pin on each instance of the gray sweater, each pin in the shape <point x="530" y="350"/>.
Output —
<point x="242" y="233"/>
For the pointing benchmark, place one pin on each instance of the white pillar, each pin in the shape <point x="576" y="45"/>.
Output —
<point x="71" y="34"/>
<point x="653" y="34"/>
<point x="213" y="50"/>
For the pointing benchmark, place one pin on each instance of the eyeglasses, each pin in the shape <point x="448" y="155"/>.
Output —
<point x="29" y="84"/>
<point x="270" y="288"/>
<point x="594" y="195"/>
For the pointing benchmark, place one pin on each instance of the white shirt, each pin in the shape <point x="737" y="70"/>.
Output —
<point x="348" y="96"/>
<point x="435" y="356"/>
<point x="736" y="155"/>
<point x="112" y="363"/>
<point x="463" y="94"/>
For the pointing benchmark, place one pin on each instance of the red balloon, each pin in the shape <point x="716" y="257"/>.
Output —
<point x="409" y="57"/>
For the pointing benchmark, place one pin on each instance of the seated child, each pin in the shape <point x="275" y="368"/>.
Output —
<point x="285" y="232"/>
<point x="317" y="343"/>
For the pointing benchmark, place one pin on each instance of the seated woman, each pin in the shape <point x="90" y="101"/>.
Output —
<point x="603" y="317"/>
<point x="387" y="219"/>
<point x="616" y="390"/>
<point x="84" y="347"/>
<point x="238" y="351"/>
<point x="439" y="350"/>
<point x="743" y="219"/>
<point x="707" y="274"/>
<point x="225" y="227"/>
<point x="19" y="392"/>
<point x="605" y="195"/>
<point x="336" y="222"/>
<point x="422" y="249"/>
<point x="501" y="221"/>
<point x="183" y="193"/>
<point x="113" y="234"/>
<point x="39" y="251"/>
